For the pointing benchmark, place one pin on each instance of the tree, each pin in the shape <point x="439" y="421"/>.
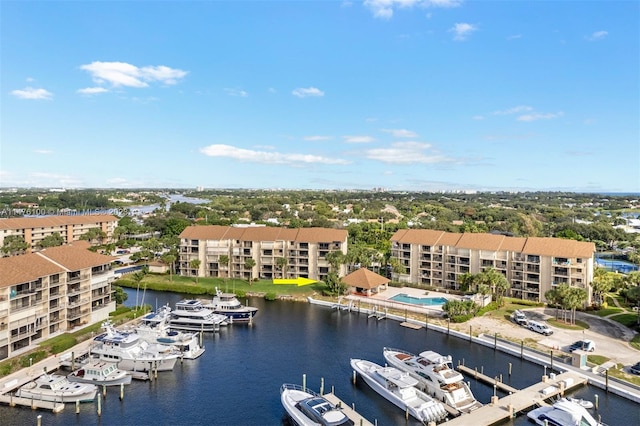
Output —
<point x="282" y="263"/>
<point x="94" y="236"/>
<point x="195" y="264"/>
<point x="575" y="299"/>
<point x="334" y="284"/>
<point x="119" y="294"/>
<point x="497" y="282"/>
<point x="601" y="284"/>
<point x="169" y="260"/>
<point x="53" y="240"/>
<point x="14" y="244"/>
<point x="249" y="263"/>
<point x="466" y="281"/>
<point x="137" y="277"/>
<point x="224" y="260"/>
<point x="336" y="259"/>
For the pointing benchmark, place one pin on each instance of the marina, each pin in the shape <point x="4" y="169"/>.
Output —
<point x="288" y="340"/>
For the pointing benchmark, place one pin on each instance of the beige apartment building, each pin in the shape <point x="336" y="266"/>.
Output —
<point x="71" y="228"/>
<point x="532" y="265"/>
<point x="305" y="250"/>
<point x="52" y="291"/>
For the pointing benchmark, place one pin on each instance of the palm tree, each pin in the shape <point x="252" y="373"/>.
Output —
<point x="249" y="263"/>
<point x="466" y="281"/>
<point x="169" y="260"/>
<point x="224" y="259"/>
<point x="195" y="264"/>
<point x="282" y="263"/>
<point x="577" y="297"/>
<point x="137" y="278"/>
<point x="496" y="281"/>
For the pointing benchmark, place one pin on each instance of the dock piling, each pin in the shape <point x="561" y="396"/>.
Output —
<point x="121" y="391"/>
<point x="321" y="385"/>
<point x="354" y="377"/>
<point x="78" y="406"/>
<point x="509" y="369"/>
<point x="104" y="390"/>
<point x="595" y="397"/>
<point x="39" y="420"/>
<point x="99" y="405"/>
<point x="304" y="382"/>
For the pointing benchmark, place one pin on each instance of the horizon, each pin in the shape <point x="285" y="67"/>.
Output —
<point x="409" y="96"/>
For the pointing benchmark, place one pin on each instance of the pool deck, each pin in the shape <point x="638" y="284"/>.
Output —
<point x="383" y="299"/>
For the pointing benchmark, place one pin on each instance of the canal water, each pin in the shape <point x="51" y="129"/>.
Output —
<point x="237" y="380"/>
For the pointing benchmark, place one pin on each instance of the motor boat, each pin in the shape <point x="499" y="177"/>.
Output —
<point x="228" y="304"/>
<point x="400" y="388"/>
<point x="191" y="315"/>
<point x="56" y="388"/>
<point x="307" y="408"/>
<point x="155" y="328"/>
<point x="583" y="402"/>
<point x="130" y="352"/>
<point x="436" y="376"/>
<point x="100" y="373"/>
<point x="563" y="413"/>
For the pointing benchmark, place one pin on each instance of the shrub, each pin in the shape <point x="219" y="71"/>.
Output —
<point x="270" y="296"/>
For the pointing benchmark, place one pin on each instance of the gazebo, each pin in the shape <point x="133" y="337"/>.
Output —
<point x="364" y="281"/>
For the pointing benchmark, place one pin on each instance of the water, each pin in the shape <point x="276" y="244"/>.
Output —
<point x="424" y="301"/>
<point x="237" y="380"/>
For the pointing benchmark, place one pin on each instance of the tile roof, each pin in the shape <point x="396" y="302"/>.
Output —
<point x="53" y="221"/>
<point x="263" y="233"/>
<point x="557" y="247"/>
<point x="75" y="257"/>
<point x="25" y="268"/>
<point x="364" y="278"/>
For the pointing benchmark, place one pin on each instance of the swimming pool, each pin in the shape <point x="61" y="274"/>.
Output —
<point x="424" y="301"/>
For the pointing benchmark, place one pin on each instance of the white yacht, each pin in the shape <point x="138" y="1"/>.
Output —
<point x="191" y="315"/>
<point x="100" y="373"/>
<point x="56" y="388"/>
<point x="400" y="388"/>
<point x="131" y="353"/>
<point x="563" y="413"/>
<point x="228" y="304"/>
<point x="436" y="376"/>
<point x="155" y="328"/>
<point x="307" y="408"/>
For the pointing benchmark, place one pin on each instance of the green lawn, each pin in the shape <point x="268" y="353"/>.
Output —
<point x="607" y="311"/>
<point x="188" y="285"/>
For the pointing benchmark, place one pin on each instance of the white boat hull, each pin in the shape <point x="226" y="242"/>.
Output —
<point x="67" y="393"/>
<point x="418" y="404"/>
<point x="456" y="395"/>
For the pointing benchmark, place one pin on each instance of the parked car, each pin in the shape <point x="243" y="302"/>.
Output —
<point x="583" y="345"/>
<point x="519" y="318"/>
<point x="635" y="368"/>
<point x="539" y="327"/>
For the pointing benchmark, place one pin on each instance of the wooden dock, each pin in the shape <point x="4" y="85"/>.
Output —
<point x="357" y="419"/>
<point x="501" y="409"/>
<point x="11" y="400"/>
<point x="411" y="325"/>
<point x="484" y="378"/>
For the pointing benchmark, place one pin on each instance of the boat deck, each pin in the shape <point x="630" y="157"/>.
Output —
<point x="350" y="412"/>
<point x="502" y="409"/>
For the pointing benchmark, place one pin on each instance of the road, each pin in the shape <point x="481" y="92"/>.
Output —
<point x="611" y="338"/>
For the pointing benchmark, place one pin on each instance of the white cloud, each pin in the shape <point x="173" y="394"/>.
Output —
<point x="43" y="151"/>
<point x="32" y="93"/>
<point x="253" y="156"/>
<point x="236" y="92"/>
<point x="358" y="139"/>
<point x="539" y="116"/>
<point x="406" y="153"/>
<point x="317" y="138"/>
<point x="401" y="133"/>
<point x="462" y="30"/>
<point x="49" y="180"/>
<point x="92" y="90"/>
<point x="598" y="35"/>
<point x="478" y="117"/>
<point x="302" y="92"/>
<point x="514" y="110"/>
<point x="119" y="74"/>
<point x="117" y="181"/>
<point x="384" y="9"/>
<point x="514" y="37"/>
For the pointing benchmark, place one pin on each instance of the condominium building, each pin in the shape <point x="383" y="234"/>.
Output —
<point x="52" y="291"/>
<point x="70" y="228"/>
<point x="305" y="251"/>
<point x="531" y="265"/>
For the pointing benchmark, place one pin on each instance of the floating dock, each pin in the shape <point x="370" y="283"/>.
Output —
<point x="11" y="400"/>
<point x="502" y="409"/>
<point x="350" y="412"/>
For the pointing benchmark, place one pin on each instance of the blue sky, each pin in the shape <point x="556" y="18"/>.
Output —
<point x="423" y="95"/>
